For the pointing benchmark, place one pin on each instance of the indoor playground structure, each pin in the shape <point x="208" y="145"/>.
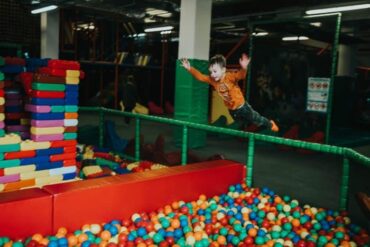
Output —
<point x="211" y="203"/>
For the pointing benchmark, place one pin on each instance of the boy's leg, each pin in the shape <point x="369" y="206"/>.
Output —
<point x="248" y="115"/>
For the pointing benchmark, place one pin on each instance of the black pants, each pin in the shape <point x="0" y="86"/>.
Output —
<point x="247" y="115"/>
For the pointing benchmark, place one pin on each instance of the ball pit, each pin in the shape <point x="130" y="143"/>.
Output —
<point x="241" y="217"/>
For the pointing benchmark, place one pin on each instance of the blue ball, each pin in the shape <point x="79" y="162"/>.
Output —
<point x="141" y="231"/>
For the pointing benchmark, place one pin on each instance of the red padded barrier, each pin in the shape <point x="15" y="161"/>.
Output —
<point x="25" y="212"/>
<point x="118" y="197"/>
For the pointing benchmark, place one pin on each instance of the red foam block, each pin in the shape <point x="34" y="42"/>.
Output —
<point x="63" y="143"/>
<point x="20" y="154"/>
<point x="118" y="197"/>
<point x="25" y="212"/>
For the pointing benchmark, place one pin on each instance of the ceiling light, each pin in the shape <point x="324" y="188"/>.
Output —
<point x="44" y="9"/>
<point x="259" y="34"/>
<point x="337" y="9"/>
<point x="316" y="24"/>
<point x="294" y="38"/>
<point x="148" y="20"/>
<point x="165" y="15"/>
<point x="152" y="11"/>
<point x="158" y="29"/>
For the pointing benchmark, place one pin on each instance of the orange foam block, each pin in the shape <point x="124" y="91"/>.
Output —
<point x="25" y="212"/>
<point x="118" y="197"/>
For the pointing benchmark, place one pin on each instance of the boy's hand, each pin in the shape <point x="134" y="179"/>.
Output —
<point x="244" y="61"/>
<point x="185" y="63"/>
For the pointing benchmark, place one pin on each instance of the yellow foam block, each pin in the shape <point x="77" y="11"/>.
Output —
<point x="34" y="174"/>
<point x="31" y="145"/>
<point x="19" y="169"/>
<point x="140" y="109"/>
<point x="2" y="100"/>
<point x="89" y="170"/>
<point x="72" y="80"/>
<point x="25" y="121"/>
<point x="72" y="73"/>
<point x="48" y="180"/>
<point x="2" y="187"/>
<point x="10" y="139"/>
<point x="2" y="116"/>
<point x="46" y="130"/>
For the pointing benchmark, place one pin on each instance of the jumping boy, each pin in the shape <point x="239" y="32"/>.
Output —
<point x="226" y="84"/>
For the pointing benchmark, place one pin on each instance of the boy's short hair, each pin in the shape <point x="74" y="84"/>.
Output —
<point x="218" y="59"/>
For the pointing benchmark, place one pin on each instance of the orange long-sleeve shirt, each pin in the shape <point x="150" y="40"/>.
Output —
<point x="227" y="87"/>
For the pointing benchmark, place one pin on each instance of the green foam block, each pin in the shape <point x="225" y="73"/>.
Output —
<point x="48" y="87"/>
<point x="57" y="108"/>
<point x="70" y="136"/>
<point x="10" y="147"/>
<point x="9" y="163"/>
<point x="71" y="108"/>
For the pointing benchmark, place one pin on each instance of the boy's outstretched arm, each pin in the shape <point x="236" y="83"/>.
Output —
<point x="185" y="63"/>
<point x="244" y="61"/>
<point x="194" y="72"/>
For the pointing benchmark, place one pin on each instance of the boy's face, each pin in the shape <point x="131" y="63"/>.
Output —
<point x="216" y="71"/>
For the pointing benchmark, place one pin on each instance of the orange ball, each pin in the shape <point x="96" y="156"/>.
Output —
<point x="175" y="223"/>
<point x="198" y="235"/>
<point x="221" y="240"/>
<point x="72" y="240"/>
<point x="252" y="232"/>
<point x="82" y="237"/>
<point x="37" y="237"/>
<point x="105" y="235"/>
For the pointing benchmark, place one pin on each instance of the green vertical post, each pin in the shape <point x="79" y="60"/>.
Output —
<point x="344" y="185"/>
<point x="137" y="139"/>
<point x="249" y="74"/>
<point x="191" y="102"/>
<point x="332" y="76"/>
<point x="250" y="157"/>
<point x="184" y="147"/>
<point x="101" y="127"/>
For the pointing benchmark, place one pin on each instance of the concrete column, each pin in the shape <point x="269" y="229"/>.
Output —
<point x="195" y="28"/>
<point x="50" y="34"/>
<point x="346" y="60"/>
<point x="191" y="96"/>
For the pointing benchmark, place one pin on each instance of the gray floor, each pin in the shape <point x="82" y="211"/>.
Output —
<point x="312" y="179"/>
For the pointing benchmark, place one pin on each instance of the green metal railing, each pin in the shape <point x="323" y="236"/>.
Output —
<point x="346" y="153"/>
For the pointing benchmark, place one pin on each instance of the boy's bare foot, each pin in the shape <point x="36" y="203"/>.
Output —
<point x="274" y="127"/>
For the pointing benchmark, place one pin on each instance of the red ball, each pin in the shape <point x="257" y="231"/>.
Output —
<point x="170" y="240"/>
<point x="122" y="238"/>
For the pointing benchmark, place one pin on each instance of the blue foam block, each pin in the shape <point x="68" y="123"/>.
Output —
<point x="47" y="116"/>
<point x="50" y="151"/>
<point x="34" y="160"/>
<point x="69" y="101"/>
<point x="40" y="101"/>
<point x="68" y="176"/>
<point x="71" y="88"/>
<point x="49" y="165"/>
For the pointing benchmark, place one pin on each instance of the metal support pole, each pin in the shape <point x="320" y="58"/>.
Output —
<point x="332" y="76"/>
<point x="137" y="139"/>
<point x="250" y="157"/>
<point x="344" y="185"/>
<point x="184" y="147"/>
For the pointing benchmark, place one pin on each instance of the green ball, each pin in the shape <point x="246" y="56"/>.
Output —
<point x="238" y="227"/>
<point x="278" y="245"/>
<point x="198" y="244"/>
<point x="232" y="188"/>
<point x="259" y="240"/>
<point x="98" y="240"/>
<point x="205" y="242"/>
<point x="286" y="198"/>
<point x="322" y="240"/>
<point x="235" y="240"/>
<point x="224" y="231"/>
<point x="157" y="238"/>
<point x="17" y="244"/>
<point x="339" y="235"/>
<point x="275" y="234"/>
<point x="279" y="207"/>
<point x="287" y="226"/>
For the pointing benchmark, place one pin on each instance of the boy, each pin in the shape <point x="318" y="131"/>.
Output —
<point x="226" y="84"/>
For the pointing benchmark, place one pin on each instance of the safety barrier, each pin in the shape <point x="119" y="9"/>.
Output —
<point x="346" y="153"/>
